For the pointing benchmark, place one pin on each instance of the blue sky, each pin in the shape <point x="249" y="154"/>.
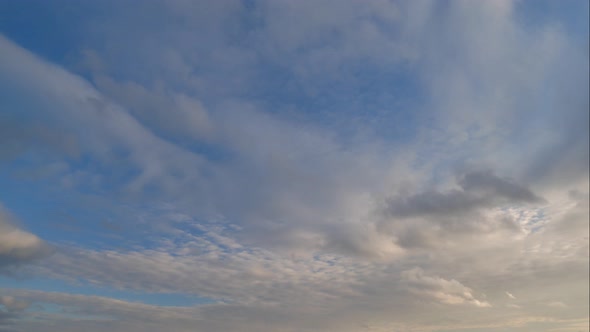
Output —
<point x="294" y="165"/>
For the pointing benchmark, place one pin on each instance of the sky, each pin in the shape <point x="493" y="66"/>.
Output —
<point x="294" y="166"/>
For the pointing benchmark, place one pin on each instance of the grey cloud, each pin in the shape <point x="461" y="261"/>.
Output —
<point x="434" y="202"/>
<point x="484" y="207"/>
<point x="479" y="189"/>
<point x="507" y="189"/>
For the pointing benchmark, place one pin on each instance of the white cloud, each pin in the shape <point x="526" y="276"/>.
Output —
<point x="17" y="246"/>
<point x="439" y="289"/>
<point x="285" y="228"/>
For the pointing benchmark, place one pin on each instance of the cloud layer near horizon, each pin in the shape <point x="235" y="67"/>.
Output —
<point x="294" y="166"/>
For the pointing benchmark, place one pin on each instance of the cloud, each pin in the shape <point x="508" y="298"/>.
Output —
<point x="172" y="114"/>
<point x="11" y="309"/>
<point x="483" y="205"/>
<point x="439" y="289"/>
<point x="486" y="181"/>
<point x="17" y="246"/>
<point x="301" y="173"/>
<point x="479" y="189"/>
<point x="557" y="304"/>
<point x="13" y="304"/>
<point x="213" y="266"/>
<point x="303" y="177"/>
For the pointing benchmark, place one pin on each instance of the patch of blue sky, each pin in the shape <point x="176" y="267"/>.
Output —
<point x="62" y="31"/>
<point x="64" y="216"/>
<point x="363" y="96"/>
<point x="85" y="288"/>
<point x="48" y="29"/>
